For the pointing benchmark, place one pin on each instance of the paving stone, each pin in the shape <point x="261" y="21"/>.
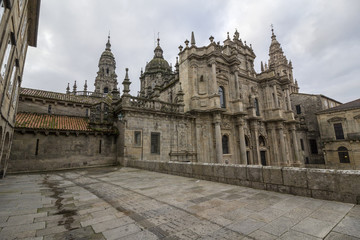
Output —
<point x="246" y="226"/>
<point x="260" y="235"/>
<point x="110" y="224"/>
<point x="129" y="203"/>
<point x="314" y="227"/>
<point x="294" y="235"/>
<point x="121" y="231"/>
<point x="349" y="226"/>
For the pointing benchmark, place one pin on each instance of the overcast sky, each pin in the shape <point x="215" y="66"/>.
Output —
<point x="321" y="37"/>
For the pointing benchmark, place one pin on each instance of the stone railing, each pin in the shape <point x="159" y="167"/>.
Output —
<point x="155" y="105"/>
<point x="86" y="93"/>
<point x="338" y="185"/>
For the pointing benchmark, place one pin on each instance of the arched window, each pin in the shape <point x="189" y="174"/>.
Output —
<point x="225" y="144"/>
<point x="107" y="71"/>
<point x="256" y="104"/>
<point x="343" y="155"/>
<point x="106" y="89"/>
<point x="262" y="141"/>
<point x="222" y="97"/>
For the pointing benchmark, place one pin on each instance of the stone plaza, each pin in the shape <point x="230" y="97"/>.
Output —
<point x="129" y="203"/>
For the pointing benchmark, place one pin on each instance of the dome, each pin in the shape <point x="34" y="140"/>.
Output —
<point x="158" y="63"/>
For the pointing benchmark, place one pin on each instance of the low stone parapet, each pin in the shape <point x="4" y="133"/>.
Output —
<point x="337" y="185"/>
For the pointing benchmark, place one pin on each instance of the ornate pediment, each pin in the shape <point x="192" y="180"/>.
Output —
<point x="336" y="119"/>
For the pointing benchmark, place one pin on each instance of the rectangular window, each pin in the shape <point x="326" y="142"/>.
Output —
<point x="37" y="147"/>
<point x="339" y="133"/>
<point x="298" y="109"/>
<point x="137" y="138"/>
<point x="302" y="144"/>
<point x="4" y="63"/>
<point x="155" y="143"/>
<point x="100" y="146"/>
<point x="313" y="146"/>
<point x="87" y="112"/>
<point x="49" y="109"/>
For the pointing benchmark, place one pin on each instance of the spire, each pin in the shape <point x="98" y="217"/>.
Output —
<point x="158" y="50"/>
<point x="262" y="67"/>
<point x="192" y="39"/>
<point x="108" y="45"/>
<point x="68" y="89"/>
<point x="74" y="87"/>
<point x="126" y="83"/>
<point x="85" y="86"/>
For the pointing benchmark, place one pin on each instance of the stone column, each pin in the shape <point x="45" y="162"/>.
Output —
<point x="275" y="149"/>
<point x="237" y="94"/>
<point x="276" y="97"/>
<point x="243" y="158"/>
<point x="218" y="139"/>
<point x="288" y="103"/>
<point x="295" y="145"/>
<point x="282" y="144"/>
<point x="213" y="73"/>
<point x="255" y="136"/>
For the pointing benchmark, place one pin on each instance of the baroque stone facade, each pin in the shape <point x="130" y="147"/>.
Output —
<point x="213" y="107"/>
<point x="340" y="135"/>
<point x="18" y="30"/>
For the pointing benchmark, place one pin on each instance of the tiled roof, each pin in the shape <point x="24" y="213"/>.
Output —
<point x="59" y="96"/>
<point x="51" y="122"/>
<point x="343" y="107"/>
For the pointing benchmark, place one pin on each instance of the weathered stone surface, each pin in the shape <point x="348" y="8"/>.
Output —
<point x="254" y="173"/>
<point x="219" y="171"/>
<point x="349" y="181"/>
<point x="322" y="179"/>
<point x="296" y="177"/>
<point x="272" y="175"/>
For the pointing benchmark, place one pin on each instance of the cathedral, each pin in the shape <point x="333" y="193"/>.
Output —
<point x="212" y="107"/>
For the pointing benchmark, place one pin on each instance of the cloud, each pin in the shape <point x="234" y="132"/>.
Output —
<point x="320" y="37"/>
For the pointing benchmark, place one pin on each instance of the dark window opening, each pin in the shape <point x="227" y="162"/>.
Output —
<point x="201" y="78"/>
<point x="155" y="143"/>
<point x="49" y="109"/>
<point x="106" y="89"/>
<point x="343" y="155"/>
<point x="302" y="144"/>
<point x="248" y="157"/>
<point x="339" y="133"/>
<point x="37" y="147"/>
<point x="225" y="144"/>
<point x="256" y="104"/>
<point x="107" y="71"/>
<point x="100" y="146"/>
<point x="298" y="109"/>
<point x="137" y="138"/>
<point x="263" y="157"/>
<point x="222" y="97"/>
<point x="313" y="146"/>
<point x="87" y="112"/>
<point x="246" y="141"/>
<point x="306" y="160"/>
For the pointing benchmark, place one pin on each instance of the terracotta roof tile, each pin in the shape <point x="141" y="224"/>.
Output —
<point x="59" y="96"/>
<point x="51" y="122"/>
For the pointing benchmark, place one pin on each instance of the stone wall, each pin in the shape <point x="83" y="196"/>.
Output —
<point x="338" y="185"/>
<point x="42" y="107"/>
<point x="39" y="152"/>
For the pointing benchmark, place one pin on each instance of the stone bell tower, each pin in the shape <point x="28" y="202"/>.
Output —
<point x="106" y="80"/>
